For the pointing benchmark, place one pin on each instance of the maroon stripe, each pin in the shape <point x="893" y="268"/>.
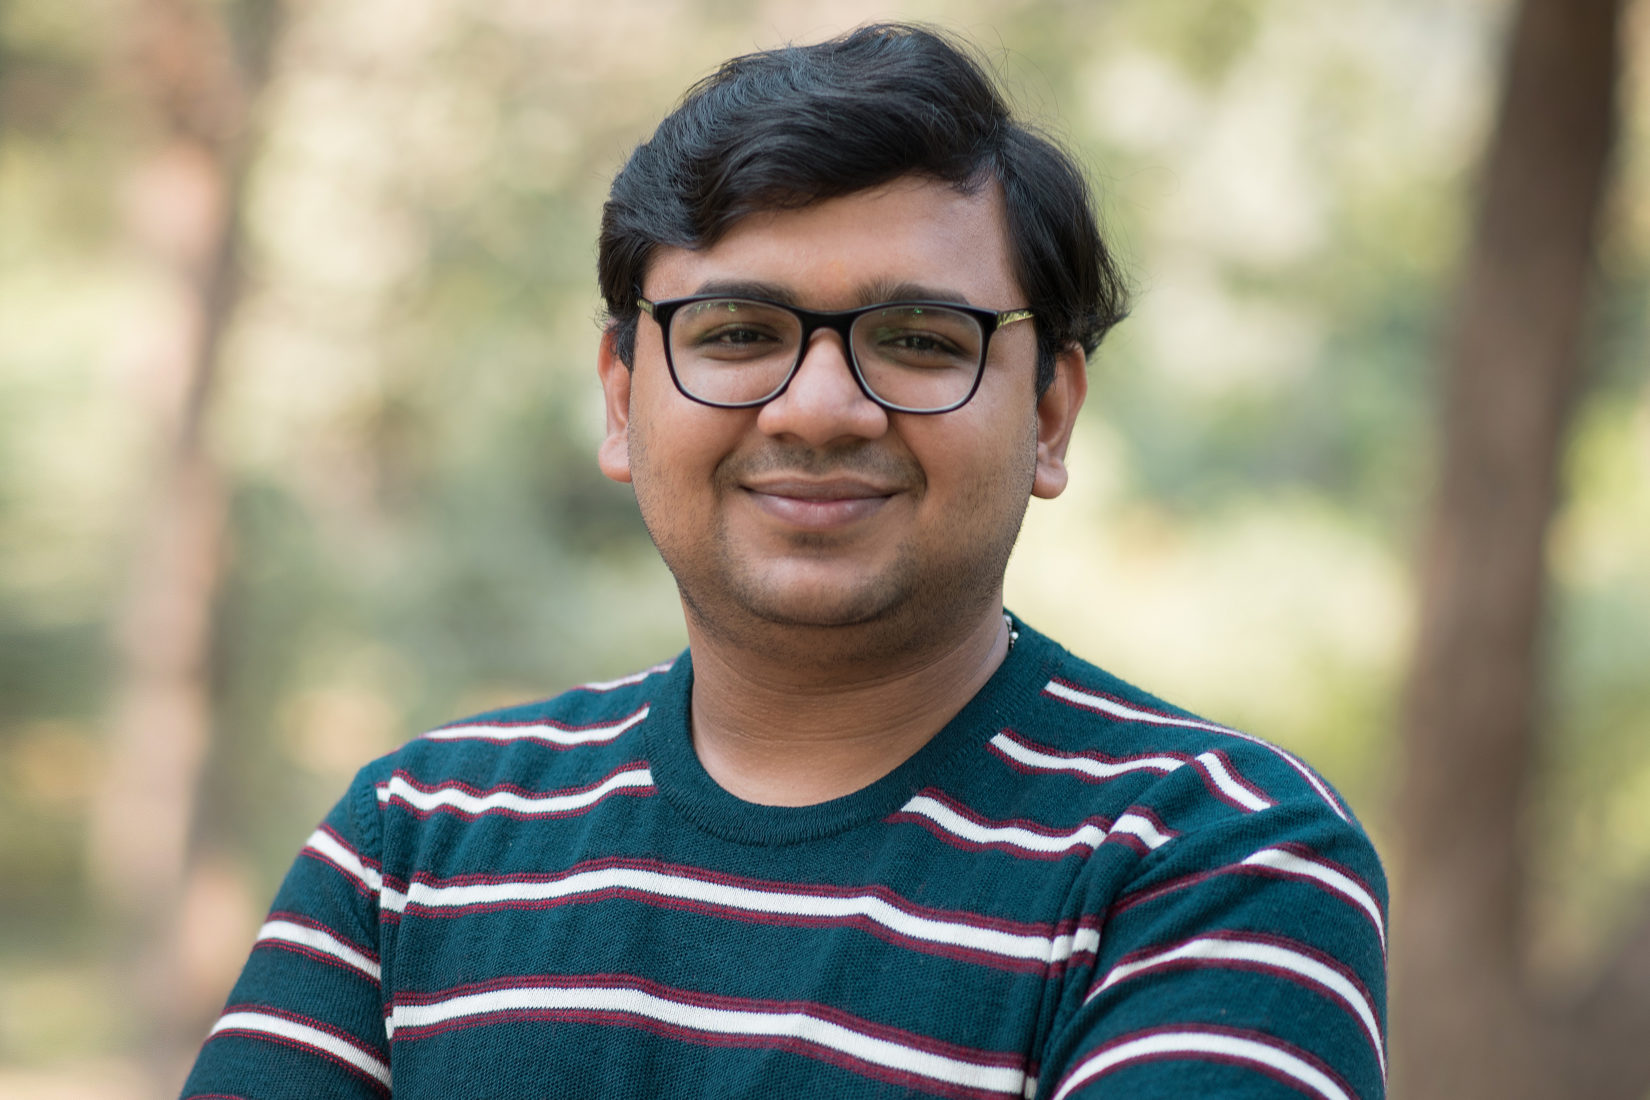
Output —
<point x="1224" y="1059"/>
<point x="712" y="1001"/>
<point x="509" y="788"/>
<point x="1152" y="893"/>
<point x="1236" y="775"/>
<point x="718" y="878"/>
<point x="1053" y="832"/>
<point x="1213" y="785"/>
<point x="1078" y="847"/>
<point x="338" y="1033"/>
<point x="717" y="910"/>
<point x="305" y="1048"/>
<point x="1295" y="848"/>
<point x="311" y="953"/>
<point x="309" y="922"/>
<point x="1095" y="757"/>
<point x="321" y="857"/>
<point x="927" y="1086"/>
<point x="957" y="952"/>
<point x="422" y="813"/>
<point x="514" y="723"/>
<point x="1238" y="935"/>
<point x="1321" y="787"/>
<point x="1152" y="712"/>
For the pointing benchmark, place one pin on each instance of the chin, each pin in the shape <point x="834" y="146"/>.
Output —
<point x="822" y="606"/>
<point x="745" y="601"/>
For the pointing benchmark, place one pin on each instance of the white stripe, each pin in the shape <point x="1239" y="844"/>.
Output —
<point x="1083" y="765"/>
<point x="537" y="731"/>
<point x="459" y="799"/>
<point x="1230" y="785"/>
<point x="308" y="1036"/>
<point x="1291" y="864"/>
<point x="290" y="932"/>
<point x="1203" y="1042"/>
<point x="625" y="681"/>
<point x="1215" y="949"/>
<point x="1085" y="836"/>
<point x="989" y="941"/>
<point x="719" y="1021"/>
<point x="1086" y="940"/>
<point x="1123" y="710"/>
<point x="1138" y="825"/>
<point x="1306" y="773"/>
<point x="325" y="844"/>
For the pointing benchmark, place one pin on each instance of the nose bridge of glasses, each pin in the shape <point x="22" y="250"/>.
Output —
<point x="824" y="373"/>
<point x="817" y="332"/>
<point x="823" y="398"/>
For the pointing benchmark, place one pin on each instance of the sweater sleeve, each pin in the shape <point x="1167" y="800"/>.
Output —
<point x="1247" y="959"/>
<point x="306" y="1017"/>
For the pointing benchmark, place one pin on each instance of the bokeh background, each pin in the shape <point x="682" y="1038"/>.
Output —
<point x="298" y="413"/>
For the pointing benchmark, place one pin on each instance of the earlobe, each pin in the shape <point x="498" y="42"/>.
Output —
<point x="613" y="455"/>
<point x="1057" y="412"/>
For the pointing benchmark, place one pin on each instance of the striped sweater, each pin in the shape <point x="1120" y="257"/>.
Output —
<point x="1073" y="890"/>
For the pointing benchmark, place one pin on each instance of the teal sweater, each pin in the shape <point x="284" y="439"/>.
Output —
<point x="1073" y="890"/>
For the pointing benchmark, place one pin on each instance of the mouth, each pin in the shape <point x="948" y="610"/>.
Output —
<point x="819" y="504"/>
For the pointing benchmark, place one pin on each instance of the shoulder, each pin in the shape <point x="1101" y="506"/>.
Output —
<point x="1101" y="726"/>
<point x="1237" y="904"/>
<point x="1198" y="793"/>
<point x="527" y="746"/>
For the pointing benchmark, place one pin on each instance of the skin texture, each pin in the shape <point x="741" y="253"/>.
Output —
<point x="840" y="566"/>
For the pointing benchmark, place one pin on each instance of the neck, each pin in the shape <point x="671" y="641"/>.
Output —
<point x="815" y="720"/>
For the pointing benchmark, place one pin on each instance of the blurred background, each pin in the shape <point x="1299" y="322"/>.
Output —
<point x="298" y="414"/>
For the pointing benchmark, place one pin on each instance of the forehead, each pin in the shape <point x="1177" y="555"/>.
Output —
<point x="914" y="237"/>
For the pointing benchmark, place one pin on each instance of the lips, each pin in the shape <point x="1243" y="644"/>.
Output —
<point x="819" y="504"/>
<point x="819" y="489"/>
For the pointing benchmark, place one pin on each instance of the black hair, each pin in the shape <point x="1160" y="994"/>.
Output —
<point x="790" y="127"/>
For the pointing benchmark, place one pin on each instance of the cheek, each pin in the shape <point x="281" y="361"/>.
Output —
<point x="675" y="449"/>
<point x="984" y="465"/>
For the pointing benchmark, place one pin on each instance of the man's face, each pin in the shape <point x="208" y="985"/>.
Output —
<point x="820" y="508"/>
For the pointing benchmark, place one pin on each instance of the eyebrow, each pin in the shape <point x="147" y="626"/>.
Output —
<point x="871" y="293"/>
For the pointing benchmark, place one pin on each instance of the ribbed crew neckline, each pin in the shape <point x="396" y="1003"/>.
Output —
<point x="684" y="783"/>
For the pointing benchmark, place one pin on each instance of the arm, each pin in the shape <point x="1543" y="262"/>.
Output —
<point x="306" y="1018"/>
<point x="1248" y="959"/>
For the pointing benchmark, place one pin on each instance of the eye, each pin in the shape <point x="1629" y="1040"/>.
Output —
<point x="917" y="348"/>
<point x="732" y="329"/>
<point x="919" y="337"/>
<point x="916" y="342"/>
<point x="734" y="336"/>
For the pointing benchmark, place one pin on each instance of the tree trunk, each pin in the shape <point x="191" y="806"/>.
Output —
<point x="1464" y="1024"/>
<point x="185" y="197"/>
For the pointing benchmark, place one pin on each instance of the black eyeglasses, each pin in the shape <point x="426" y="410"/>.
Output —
<point x="909" y="357"/>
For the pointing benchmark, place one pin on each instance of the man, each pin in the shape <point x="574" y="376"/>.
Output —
<point x="870" y="835"/>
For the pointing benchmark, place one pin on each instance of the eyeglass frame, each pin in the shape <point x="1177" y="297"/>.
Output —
<point x="841" y="322"/>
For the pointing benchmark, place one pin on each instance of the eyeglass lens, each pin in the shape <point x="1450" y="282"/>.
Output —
<point x="733" y="351"/>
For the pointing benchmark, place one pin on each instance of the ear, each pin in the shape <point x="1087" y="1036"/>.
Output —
<point x="1056" y="417"/>
<point x="613" y="455"/>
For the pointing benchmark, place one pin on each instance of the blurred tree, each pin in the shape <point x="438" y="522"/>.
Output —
<point x="196" y="81"/>
<point x="1467" y="1023"/>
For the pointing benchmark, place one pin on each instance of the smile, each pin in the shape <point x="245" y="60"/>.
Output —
<point x="819" y="505"/>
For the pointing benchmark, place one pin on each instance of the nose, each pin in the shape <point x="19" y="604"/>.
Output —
<point x="823" y="401"/>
